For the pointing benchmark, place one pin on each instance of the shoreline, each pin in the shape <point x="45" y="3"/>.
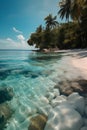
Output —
<point x="77" y="60"/>
<point x="71" y="104"/>
<point x="81" y="64"/>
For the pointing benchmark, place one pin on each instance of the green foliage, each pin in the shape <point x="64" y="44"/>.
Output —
<point x="66" y="35"/>
<point x="50" y="21"/>
<point x="65" y="9"/>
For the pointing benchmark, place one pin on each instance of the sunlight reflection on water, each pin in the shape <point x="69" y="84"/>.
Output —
<point x="31" y="75"/>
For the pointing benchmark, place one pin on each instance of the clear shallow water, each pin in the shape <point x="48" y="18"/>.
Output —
<point x="29" y="74"/>
<point x="25" y="68"/>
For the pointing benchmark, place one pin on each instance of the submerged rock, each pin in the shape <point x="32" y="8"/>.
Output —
<point x="64" y="88"/>
<point x="44" y="110"/>
<point x="64" y="117"/>
<point x="77" y="102"/>
<point x="50" y="96"/>
<point x="84" y="128"/>
<point x="85" y="121"/>
<point x="58" y="100"/>
<point x="56" y="92"/>
<point x="68" y="87"/>
<point x="86" y="110"/>
<point x="38" y="122"/>
<point x="5" y="114"/>
<point x="6" y="94"/>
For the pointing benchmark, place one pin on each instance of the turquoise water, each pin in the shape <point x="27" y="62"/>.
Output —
<point x="29" y="74"/>
<point x="26" y="68"/>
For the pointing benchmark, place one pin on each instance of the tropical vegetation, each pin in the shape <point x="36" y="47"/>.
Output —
<point x="71" y="34"/>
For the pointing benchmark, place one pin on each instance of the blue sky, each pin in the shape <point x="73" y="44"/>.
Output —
<point x="19" y="18"/>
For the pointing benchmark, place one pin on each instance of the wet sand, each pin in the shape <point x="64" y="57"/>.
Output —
<point x="79" y="61"/>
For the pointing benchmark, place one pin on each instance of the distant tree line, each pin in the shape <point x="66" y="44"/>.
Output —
<point x="72" y="34"/>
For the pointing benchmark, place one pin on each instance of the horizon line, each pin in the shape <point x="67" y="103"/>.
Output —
<point x="15" y="50"/>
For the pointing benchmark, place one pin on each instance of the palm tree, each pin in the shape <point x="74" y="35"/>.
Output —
<point x="65" y="9"/>
<point x="71" y="8"/>
<point x="76" y="9"/>
<point x="50" y="21"/>
<point x="39" y="29"/>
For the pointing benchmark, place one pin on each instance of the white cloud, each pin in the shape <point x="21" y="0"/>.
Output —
<point x="7" y="44"/>
<point x="21" y="37"/>
<point x="21" y="44"/>
<point x="16" y="30"/>
<point x="10" y="40"/>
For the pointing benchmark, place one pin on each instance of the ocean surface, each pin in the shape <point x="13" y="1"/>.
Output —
<point x="31" y="75"/>
<point x="27" y="72"/>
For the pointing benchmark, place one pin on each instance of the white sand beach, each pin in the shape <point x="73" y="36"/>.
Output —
<point x="81" y="64"/>
<point x="78" y="60"/>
